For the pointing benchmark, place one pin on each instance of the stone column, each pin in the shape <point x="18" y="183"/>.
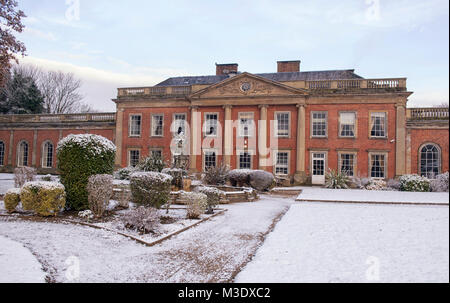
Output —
<point x="228" y="136"/>
<point x="11" y="146"/>
<point x="262" y="137"/>
<point x="119" y="133"/>
<point x="400" y="141"/>
<point x="35" y="147"/>
<point x="300" y="174"/>
<point x="193" y="139"/>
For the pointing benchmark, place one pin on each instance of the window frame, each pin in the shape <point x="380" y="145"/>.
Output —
<point x="20" y="162"/>
<point x="312" y="125"/>
<point x="355" y="125"/>
<point x="44" y="155"/>
<point x="386" y="134"/>
<point x="152" y="130"/>
<point x="209" y="150"/>
<point x="277" y="135"/>
<point x="205" y="125"/>
<point x="355" y="161"/>
<point x="276" y="152"/>
<point x="173" y="121"/>
<point x="2" y="153"/>
<point x="238" y="157"/>
<point x="253" y="125"/>
<point x="419" y="153"/>
<point x="386" y="164"/>
<point x="130" y="122"/>
<point x="129" y="150"/>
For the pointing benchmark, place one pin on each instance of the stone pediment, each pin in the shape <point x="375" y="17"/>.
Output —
<point x="247" y="85"/>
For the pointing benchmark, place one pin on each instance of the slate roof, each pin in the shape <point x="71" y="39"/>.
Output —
<point x="281" y="77"/>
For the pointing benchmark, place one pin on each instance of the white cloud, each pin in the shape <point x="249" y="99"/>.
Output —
<point x="39" y="34"/>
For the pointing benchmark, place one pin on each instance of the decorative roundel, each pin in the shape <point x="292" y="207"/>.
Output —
<point x="246" y="86"/>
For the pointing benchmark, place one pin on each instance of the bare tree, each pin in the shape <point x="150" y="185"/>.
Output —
<point x="442" y="105"/>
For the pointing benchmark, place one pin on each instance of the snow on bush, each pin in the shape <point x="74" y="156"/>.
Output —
<point x="23" y="175"/>
<point x="44" y="198"/>
<point x="150" y="188"/>
<point x="12" y="199"/>
<point x="440" y="184"/>
<point x="239" y="177"/>
<point x="376" y="184"/>
<point x="79" y="157"/>
<point x="152" y="163"/>
<point x="336" y="179"/>
<point x="86" y="214"/>
<point x="123" y="195"/>
<point x="177" y="175"/>
<point x="261" y="180"/>
<point x="142" y="219"/>
<point x="414" y="183"/>
<point x="100" y="189"/>
<point x="124" y="173"/>
<point x="48" y="178"/>
<point x="393" y="184"/>
<point x="213" y="196"/>
<point x="216" y="175"/>
<point x="196" y="204"/>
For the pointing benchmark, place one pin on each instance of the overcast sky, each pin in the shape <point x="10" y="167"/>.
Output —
<point x="111" y="44"/>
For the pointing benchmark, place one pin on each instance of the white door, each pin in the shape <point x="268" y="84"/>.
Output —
<point x="318" y="168"/>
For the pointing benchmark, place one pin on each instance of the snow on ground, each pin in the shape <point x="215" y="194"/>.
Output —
<point x="331" y="242"/>
<point x="210" y="252"/>
<point x="17" y="264"/>
<point x="358" y="195"/>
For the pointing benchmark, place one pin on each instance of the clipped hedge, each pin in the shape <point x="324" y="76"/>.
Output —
<point x="150" y="188"/>
<point x="79" y="157"/>
<point x="44" y="198"/>
<point x="261" y="180"/>
<point x="239" y="177"/>
<point x="414" y="183"/>
<point x="12" y="199"/>
<point x="213" y="196"/>
<point x="196" y="204"/>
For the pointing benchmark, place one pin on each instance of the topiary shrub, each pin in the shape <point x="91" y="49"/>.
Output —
<point x="142" y="219"/>
<point x="177" y="175"/>
<point x="23" y="175"/>
<point x="79" y="157"/>
<point x="261" y="180"/>
<point x="100" y="189"/>
<point x="196" y="204"/>
<point x="150" y="188"/>
<point x="393" y="184"/>
<point x="12" y="199"/>
<point x="336" y="179"/>
<point x="440" y="184"/>
<point x="376" y="184"/>
<point x="44" y="198"/>
<point x="414" y="183"/>
<point x="124" y="173"/>
<point x="212" y="195"/>
<point x="239" y="177"/>
<point x="154" y="162"/>
<point x="216" y="175"/>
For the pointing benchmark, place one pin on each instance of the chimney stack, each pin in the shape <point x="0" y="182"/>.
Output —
<point x="226" y="69"/>
<point x="288" y="66"/>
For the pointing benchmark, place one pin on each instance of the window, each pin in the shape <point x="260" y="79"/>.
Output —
<point x="135" y="125"/>
<point x="282" y="121"/>
<point x="430" y="158"/>
<point x="378" y="165"/>
<point x="347" y="124"/>
<point x="2" y="153"/>
<point x="22" y="158"/>
<point x="210" y="159"/>
<point x="134" y="157"/>
<point x="245" y="160"/>
<point x="157" y="125"/>
<point x="47" y="155"/>
<point x="282" y="163"/>
<point x="179" y="128"/>
<point x="319" y="124"/>
<point x="246" y="124"/>
<point x="156" y="153"/>
<point x="347" y="164"/>
<point x="210" y="124"/>
<point x="378" y="125"/>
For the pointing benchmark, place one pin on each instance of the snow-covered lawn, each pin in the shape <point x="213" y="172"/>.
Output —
<point x="331" y="242"/>
<point x="357" y="195"/>
<point x="213" y="251"/>
<point x="17" y="264"/>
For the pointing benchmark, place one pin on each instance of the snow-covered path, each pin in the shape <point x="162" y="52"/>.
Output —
<point x="211" y="252"/>
<point x="17" y="264"/>
<point x="326" y="242"/>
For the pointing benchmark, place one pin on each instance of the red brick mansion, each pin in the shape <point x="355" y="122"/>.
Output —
<point x="292" y="123"/>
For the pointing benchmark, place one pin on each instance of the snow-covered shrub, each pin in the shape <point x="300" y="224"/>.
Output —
<point x="79" y="157"/>
<point x="124" y="173"/>
<point x="23" y="175"/>
<point x="86" y="214"/>
<point x="336" y="179"/>
<point x="393" y="184"/>
<point x="144" y="220"/>
<point x="196" y="204"/>
<point x="414" y="183"/>
<point x="213" y="196"/>
<point x="440" y="184"/>
<point x="123" y="195"/>
<point x="239" y="177"/>
<point x="100" y="189"/>
<point x="150" y="188"/>
<point x="44" y="198"/>
<point x="47" y="178"/>
<point x="12" y="199"/>
<point x="376" y="184"/>
<point x="216" y="175"/>
<point x="177" y="175"/>
<point x="261" y="180"/>
<point x="154" y="162"/>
